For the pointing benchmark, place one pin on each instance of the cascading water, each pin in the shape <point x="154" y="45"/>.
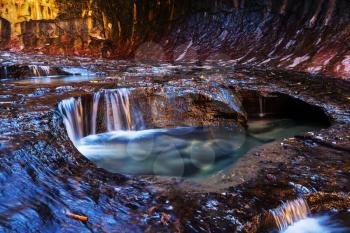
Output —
<point x="96" y="101"/>
<point x="72" y="112"/>
<point x="81" y="119"/>
<point x="119" y="114"/>
<point x="108" y="128"/>
<point x="294" y="217"/>
<point x="290" y="212"/>
<point x="40" y="70"/>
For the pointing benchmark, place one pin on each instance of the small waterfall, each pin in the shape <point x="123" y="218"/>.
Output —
<point x="114" y="106"/>
<point x="261" y="105"/>
<point x="40" y="70"/>
<point x="118" y="110"/>
<point x="35" y="70"/>
<point x="72" y="112"/>
<point x="96" y="101"/>
<point x="290" y="212"/>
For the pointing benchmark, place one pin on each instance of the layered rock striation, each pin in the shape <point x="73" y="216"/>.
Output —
<point x="302" y="35"/>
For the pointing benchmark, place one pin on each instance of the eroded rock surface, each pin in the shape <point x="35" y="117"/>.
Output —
<point x="301" y="35"/>
<point x="43" y="176"/>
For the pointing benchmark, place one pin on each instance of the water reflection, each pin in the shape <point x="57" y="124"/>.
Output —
<point x="183" y="151"/>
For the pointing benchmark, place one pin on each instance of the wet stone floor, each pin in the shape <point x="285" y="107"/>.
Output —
<point x="45" y="177"/>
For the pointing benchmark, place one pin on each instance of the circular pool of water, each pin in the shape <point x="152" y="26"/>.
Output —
<point x="184" y="151"/>
<point x="184" y="135"/>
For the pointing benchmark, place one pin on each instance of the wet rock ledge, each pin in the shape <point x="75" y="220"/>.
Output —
<point x="43" y="176"/>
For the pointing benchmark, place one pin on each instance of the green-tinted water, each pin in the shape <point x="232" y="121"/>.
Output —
<point x="184" y="151"/>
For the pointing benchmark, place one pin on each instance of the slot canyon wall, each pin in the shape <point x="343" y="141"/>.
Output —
<point x="109" y="28"/>
<point x="302" y="35"/>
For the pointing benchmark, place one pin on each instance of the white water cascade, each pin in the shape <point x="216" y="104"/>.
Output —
<point x="294" y="217"/>
<point x="113" y="106"/>
<point x="96" y="101"/>
<point x="290" y="212"/>
<point x="40" y="70"/>
<point x="72" y="113"/>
